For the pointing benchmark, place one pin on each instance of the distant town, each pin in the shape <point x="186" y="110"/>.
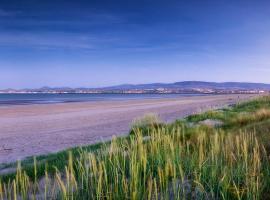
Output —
<point x="132" y="91"/>
<point x="156" y="88"/>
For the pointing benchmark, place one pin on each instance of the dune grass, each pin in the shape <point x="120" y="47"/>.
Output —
<point x="239" y="115"/>
<point x="166" y="166"/>
<point x="146" y="123"/>
<point x="159" y="161"/>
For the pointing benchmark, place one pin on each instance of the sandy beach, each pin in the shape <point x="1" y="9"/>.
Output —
<point x="28" y="130"/>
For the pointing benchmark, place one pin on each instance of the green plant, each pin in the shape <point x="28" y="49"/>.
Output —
<point x="166" y="166"/>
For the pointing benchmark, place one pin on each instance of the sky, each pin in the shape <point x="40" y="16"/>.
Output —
<point x="85" y="43"/>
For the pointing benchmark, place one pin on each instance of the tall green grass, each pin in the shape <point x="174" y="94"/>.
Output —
<point x="164" y="165"/>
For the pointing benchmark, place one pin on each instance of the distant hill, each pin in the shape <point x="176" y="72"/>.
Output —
<point x="194" y="85"/>
<point x="177" y="87"/>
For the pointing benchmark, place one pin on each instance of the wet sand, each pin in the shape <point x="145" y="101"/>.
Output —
<point x="28" y="130"/>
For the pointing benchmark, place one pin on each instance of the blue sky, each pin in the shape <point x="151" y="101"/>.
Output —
<point x="86" y="43"/>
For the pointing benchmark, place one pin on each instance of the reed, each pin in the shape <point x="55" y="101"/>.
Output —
<point x="165" y="165"/>
<point x="248" y="118"/>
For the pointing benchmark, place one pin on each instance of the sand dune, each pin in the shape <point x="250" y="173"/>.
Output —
<point x="40" y="129"/>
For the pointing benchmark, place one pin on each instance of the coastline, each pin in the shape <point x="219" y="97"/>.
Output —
<point x="15" y="99"/>
<point x="29" y="130"/>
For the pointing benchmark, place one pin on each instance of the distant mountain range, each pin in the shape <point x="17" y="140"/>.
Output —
<point x="194" y="85"/>
<point x="177" y="87"/>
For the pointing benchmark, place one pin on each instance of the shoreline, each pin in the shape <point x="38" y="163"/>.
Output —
<point x="58" y="98"/>
<point x="31" y="130"/>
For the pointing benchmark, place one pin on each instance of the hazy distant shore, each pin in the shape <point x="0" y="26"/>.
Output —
<point x="27" y="130"/>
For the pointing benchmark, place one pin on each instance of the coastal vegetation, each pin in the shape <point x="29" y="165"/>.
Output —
<point x="187" y="159"/>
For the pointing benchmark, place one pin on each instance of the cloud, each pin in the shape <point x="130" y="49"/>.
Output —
<point x="5" y="13"/>
<point x="45" y="32"/>
<point x="59" y="40"/>
<point x="262" y="69"/>
<point x="46" y="41"/>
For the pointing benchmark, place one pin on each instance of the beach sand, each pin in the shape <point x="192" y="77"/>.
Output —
<point x="29" y="130"/>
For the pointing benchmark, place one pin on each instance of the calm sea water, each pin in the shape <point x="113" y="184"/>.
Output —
<point x="22" y="99"/>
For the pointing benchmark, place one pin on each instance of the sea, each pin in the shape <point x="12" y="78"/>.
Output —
<point x="25" y="99"/>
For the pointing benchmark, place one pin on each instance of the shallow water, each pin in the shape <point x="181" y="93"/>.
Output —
<point x="24" y="99"/>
